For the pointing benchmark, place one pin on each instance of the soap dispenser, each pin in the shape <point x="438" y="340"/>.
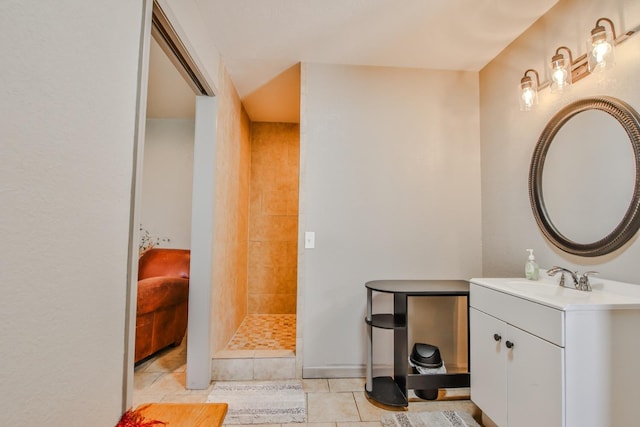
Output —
<point x="531" y="270"/>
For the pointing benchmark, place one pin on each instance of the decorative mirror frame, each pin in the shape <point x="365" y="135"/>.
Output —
<point x="630" y="223"/>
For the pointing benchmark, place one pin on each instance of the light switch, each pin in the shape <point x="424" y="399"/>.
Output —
<point x="309" y="240"/>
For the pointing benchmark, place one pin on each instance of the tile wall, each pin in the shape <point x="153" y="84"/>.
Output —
<point x="231" y="215"/>
<point x="273" y="218"/>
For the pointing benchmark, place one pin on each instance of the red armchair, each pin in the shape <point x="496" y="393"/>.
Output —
<point x="163" y="293"/>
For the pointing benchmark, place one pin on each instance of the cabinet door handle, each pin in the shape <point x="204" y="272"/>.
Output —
<point x="509" y="344"/>
<point x="497" y="337"/>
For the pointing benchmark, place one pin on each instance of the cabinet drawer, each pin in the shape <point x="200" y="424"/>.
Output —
<point x="537" y="319"/>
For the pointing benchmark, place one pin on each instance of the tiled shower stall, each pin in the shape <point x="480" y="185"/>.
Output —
<point x="263" y="346"/>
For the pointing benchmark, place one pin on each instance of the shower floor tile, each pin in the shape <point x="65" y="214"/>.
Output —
<point x="265" y="332"/>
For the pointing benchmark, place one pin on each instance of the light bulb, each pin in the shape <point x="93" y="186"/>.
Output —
<point x="560" y="76"/>
<point x="600" y="47"/>
<point x="528" y="91"/>
<point x="601" y="51"/>
<point x="560" y="71"/>
<point x="528" y="96"/>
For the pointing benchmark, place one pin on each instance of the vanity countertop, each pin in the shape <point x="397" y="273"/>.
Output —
<point x="606" y="294"/>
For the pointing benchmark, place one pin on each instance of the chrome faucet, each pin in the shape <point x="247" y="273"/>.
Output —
<point x="581" y="283"/>
<point x="553" y="270"/>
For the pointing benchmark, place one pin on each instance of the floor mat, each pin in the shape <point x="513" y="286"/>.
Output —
<point x="261" y="402"/>
<point x="429" y="419"/>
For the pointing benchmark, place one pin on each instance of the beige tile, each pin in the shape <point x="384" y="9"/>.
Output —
<point x="293" y="154"/>
<point x="261" y="425"/>
<point x="205" y="391"/>
<point x="271" y="253"/>
<point x="171" y="363"/>
<point x="315" y="385"/>
<point x="259" y="354"/>
<point x="234" y="354"/>
<point x="293" y="207"/>
<point x="272" y="303"/>
<point x="286" y="278"/>
<point x="274" y="369"/>
<point x="142" y="380"/>
<point x="185" y="398"/>
<point x="368" y="411"/>
<point x="232" y="369"/>
<point x="142" y="398"/>
<point x="255" y="203"/>
<point x="360" y="424"/>
<point x="275" y="228"/>
<point x="274" y="202"/>
<point x="346" y="384"/>
<point x="287" y="181"/>
<point x="142" y="366"/>
<point x="263" y="177"/>
<point x="289" y="302"/>
<point x="271" y="154"/>
<point x="450" y="405"/>
<point x="169" y="383"/>
<point x="254" y="304"/>
<point x="292" y="253"/>
<point x="331" y="407"/>
<point x="273" y="286"/>
<point x="261" y="277"/>
<point x="279" y="202"/>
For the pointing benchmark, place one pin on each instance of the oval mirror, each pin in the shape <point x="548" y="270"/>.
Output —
<point x="584" y="180"/>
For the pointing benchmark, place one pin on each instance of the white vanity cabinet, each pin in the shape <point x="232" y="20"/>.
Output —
<point x="548" y="356"/>
<point x="507" y="383"/>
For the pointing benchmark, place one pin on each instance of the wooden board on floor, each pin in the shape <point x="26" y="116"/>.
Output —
<point x="185" y="414"/>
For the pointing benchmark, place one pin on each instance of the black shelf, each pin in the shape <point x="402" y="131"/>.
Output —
<point x="384" y="390"/>
<point x="434" y="381"/>
<point x="387" y="321"/>
<point x="393" y="390"/>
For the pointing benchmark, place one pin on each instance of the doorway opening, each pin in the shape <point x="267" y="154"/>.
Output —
<point x="163" y="205"/>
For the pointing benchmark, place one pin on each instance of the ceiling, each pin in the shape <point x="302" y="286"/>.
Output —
<point x="262" y="42"/>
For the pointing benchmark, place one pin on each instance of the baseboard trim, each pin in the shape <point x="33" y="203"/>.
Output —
<point x="359" y="371"/>
<point x="333" y="372"/>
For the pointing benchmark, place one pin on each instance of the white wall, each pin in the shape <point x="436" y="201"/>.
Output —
<point x="202" y="247"/>
<point x="390" y="185"/>
<point x="168" y="180"/>
<point x="67" y="124"/>
<point x="509" y="135"/>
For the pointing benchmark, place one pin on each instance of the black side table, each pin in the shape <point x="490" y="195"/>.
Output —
<point x="393" y="391"/>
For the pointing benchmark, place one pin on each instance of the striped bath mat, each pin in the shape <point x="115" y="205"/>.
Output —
<point x="429" y="419"/>
<point x="266" y="402"/>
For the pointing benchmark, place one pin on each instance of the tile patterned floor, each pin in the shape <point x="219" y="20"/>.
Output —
<point x="265" y="332"/>
<point x="330" y="402"/>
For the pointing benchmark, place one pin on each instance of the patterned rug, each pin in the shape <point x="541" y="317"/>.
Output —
<point x="261" y="402"/>
<point x="429" y="419"/>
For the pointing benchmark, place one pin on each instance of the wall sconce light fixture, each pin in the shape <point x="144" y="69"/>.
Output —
<point x="601" y="46"/>
<point x="529" y="90"/>
<point x="565" y="71"/>
<point x="561" y="70"/>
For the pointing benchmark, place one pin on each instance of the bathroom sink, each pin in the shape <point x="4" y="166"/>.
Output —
<point x="545" y="288"/>
<point x="547" y="291"/>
